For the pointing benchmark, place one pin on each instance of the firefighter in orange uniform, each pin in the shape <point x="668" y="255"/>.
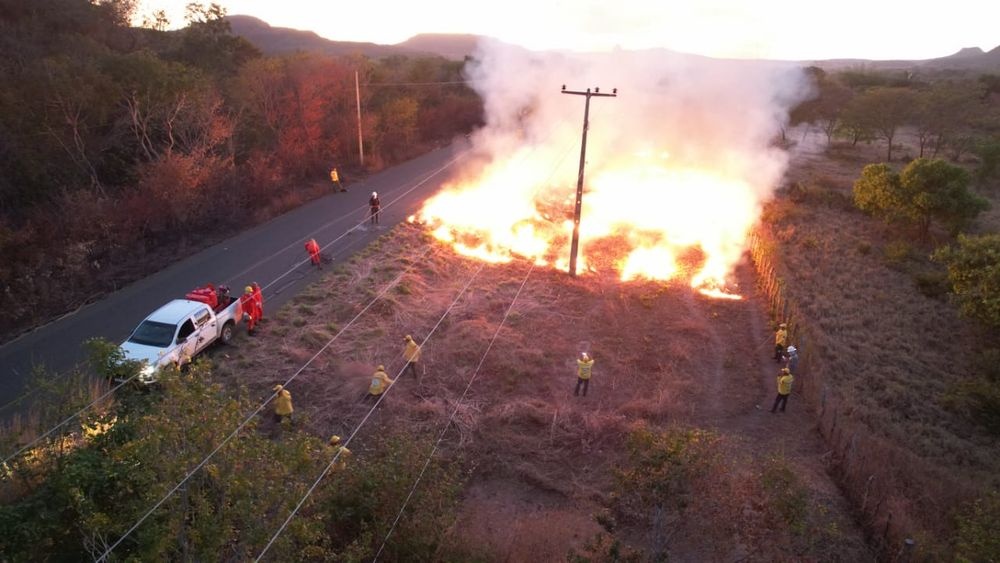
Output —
<point x="313" y="249"/>
<point x="258" y="300"/>
<point x="249" y="306"/>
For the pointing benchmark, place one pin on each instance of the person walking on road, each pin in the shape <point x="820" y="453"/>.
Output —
<point x="335" y="178"/>
<point x="374" y="207"/>
<point x="411" y="354"/>
<point x="584" y="368"/>
<point x="785" y="379"/>
<point x="312" y="247"/>
<point x="380" y="382"/>
<point x="780" y="340"/>
<point x="283" y="405"/>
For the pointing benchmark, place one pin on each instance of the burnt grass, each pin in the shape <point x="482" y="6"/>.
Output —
<point x="541" y="462"/>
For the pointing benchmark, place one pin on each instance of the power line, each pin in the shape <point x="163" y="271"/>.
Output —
<point x="338" y="453"/>
<point x="418" y="83"/>
<point x="365" y="419"/>
<point x="349" y="231"/>
<point x="256" y="264"/>
<point x="71" y="417"/>
<point x="453" y="412"/>
<point x="258" y="409"/>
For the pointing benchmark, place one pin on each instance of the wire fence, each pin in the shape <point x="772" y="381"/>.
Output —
<point x="866" y="467"/>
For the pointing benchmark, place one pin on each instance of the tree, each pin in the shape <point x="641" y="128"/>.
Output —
<point x="883" y="111"/>
<point x="926" y="190"/>
<point x="827" y="107"/>
<point x="988" y="152"/>
<point x="942" y="111"/>
<point x="974" y="272"/>
<point x="207" y="41"/>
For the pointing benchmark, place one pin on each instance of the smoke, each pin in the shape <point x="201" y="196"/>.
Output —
<point x="684" y="156"/>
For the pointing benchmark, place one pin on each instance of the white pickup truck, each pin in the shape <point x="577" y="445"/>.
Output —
<point x="175" y="332"/>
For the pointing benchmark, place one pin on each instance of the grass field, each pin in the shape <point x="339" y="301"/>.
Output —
<point x="545" y="467"/>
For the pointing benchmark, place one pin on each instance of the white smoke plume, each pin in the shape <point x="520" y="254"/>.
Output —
<point x="681" y="160"/>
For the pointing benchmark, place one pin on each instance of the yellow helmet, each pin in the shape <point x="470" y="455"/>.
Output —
<point x="248" y="289"/>
<point x="334" y="440"/>
<point x="380" y="368"/>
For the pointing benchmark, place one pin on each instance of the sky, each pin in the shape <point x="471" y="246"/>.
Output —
<point x="773" y="29"/>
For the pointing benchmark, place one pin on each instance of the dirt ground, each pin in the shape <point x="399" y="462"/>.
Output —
<point x="543" y="459"/>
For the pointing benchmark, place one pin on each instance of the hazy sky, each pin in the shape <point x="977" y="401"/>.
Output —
<point x="780" y="29"/>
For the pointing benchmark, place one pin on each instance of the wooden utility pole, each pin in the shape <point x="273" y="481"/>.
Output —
<point x="574" y="247"/>
<point x="357" y="95"/>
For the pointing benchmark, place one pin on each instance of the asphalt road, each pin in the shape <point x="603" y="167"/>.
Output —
<point x="267" y="254"/>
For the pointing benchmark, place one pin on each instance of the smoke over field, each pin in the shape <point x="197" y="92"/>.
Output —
<point x="678" y="164"/>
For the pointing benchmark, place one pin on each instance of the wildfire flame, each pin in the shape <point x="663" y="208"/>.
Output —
<point x="641" y="218"/>
<point x="677" y="169"/>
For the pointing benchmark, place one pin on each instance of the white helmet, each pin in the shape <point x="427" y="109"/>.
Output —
<point x="792" y="349"/>
<point x="374" y="194"/>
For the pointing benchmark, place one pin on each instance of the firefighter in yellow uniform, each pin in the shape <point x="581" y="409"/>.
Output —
<point x="785" y="379"/>
<point x="283" y="404"/>
<point x="584" y="367"/>
<point x="412" y="355"/>
<point x="780" y="340"/>
<point x="380" y="382"/>
<point x="344" y="452"/>
<point x="335" y="178"/>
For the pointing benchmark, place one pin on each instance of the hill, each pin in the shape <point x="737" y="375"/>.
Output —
<point x="969" y="58"/>
<point x="279" y="40"/>
<point x="449" y="46"/>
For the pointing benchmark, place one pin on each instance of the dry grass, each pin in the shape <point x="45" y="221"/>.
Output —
<point x="663" y="355"/>
<point x="886" y="352"/>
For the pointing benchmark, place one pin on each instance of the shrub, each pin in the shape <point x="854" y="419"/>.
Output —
<point x="925" y="191"/>
<point x="897" y="251"/>
<point x="974" y="273"/>
<point x="978" y="539"/>
<point x="932" y="284"/>
<point x="786" y="494"/>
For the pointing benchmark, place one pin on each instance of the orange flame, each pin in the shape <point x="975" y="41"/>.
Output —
<point x="641" y="217"/>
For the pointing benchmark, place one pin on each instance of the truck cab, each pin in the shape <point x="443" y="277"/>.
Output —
<point x="175" y="332"/>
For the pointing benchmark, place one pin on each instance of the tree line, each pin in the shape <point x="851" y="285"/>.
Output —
<point x="120" y="145"/>
<point x="952" y="116"/>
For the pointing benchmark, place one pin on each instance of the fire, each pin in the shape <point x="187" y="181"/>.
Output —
<point x="643" y="217"/>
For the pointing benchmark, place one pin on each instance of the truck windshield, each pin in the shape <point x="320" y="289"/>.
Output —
<point x="152" y="333"/>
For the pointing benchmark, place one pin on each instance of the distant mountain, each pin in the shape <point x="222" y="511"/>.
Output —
<point x="449" y="46"/>
<point x="278" y="40"/>
<point x="969" y="58"/>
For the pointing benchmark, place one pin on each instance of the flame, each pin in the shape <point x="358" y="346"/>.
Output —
<point x="643" y="216"/>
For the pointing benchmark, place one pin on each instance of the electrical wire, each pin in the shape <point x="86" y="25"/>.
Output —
<point x="247" y="420"/>
<point x="258" y="263"/>
<point x="452" y="417"/>
<point x="365" y="419"/>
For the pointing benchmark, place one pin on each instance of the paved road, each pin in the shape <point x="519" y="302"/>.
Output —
<point x="266" y="254"/>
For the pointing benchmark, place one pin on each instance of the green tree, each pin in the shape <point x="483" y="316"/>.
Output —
<point x="883" y="111"/>
<point x="974" y="272"/>
<point x="925" y="191"/>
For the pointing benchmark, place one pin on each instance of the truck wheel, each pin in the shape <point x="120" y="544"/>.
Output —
<point x="227" y="332"/>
